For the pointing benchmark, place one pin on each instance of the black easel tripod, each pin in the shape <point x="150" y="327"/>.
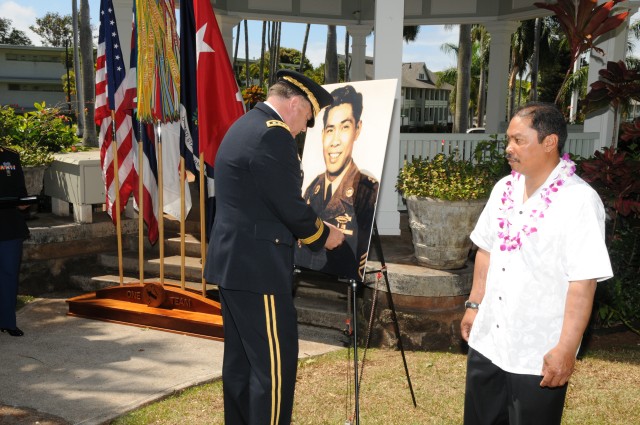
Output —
<point x="394" y="318"/>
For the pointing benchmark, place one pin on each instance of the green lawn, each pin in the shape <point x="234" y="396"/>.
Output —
<point x="605" y="389"/>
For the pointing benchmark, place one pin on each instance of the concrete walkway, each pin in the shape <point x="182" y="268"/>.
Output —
<point x="69" y="370"/>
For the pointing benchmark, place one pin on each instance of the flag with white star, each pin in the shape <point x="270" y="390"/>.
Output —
<point x="219" y="99"/>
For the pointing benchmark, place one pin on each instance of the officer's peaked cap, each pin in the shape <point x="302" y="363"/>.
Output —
<point x="309" y="89"/>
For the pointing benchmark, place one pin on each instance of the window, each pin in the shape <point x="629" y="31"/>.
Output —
<point x="35" y="57"/>
<point x="36" y="87"/>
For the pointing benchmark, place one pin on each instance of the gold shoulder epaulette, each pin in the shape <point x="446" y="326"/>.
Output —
<point x="277" y="123"/>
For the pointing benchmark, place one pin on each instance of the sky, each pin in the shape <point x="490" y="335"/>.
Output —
<point x="426" y="48"/>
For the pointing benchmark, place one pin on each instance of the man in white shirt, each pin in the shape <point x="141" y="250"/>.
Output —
<point x="541" y="251"/>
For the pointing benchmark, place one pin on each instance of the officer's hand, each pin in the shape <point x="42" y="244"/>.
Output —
<point x="336" y="237"/>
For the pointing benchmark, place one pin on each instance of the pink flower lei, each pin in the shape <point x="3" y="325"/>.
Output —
<point x="513" y="242"/>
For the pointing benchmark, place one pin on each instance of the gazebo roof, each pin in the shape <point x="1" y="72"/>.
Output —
<point x="351" y="12"/>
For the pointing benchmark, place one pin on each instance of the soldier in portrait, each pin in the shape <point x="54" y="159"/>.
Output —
<point x="342" y="195"/>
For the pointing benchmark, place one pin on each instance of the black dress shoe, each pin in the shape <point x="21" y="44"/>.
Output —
<point x="13" y="332"/>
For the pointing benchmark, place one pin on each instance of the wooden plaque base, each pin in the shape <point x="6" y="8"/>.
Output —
<point x="152" y="305"/>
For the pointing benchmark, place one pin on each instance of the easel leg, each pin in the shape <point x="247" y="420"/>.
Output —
<point x="394" y="318"/>
<point x="354" y="288"/>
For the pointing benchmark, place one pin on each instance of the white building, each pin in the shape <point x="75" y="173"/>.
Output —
<point x="30" y="74"/>
<point x="423" y="102"/>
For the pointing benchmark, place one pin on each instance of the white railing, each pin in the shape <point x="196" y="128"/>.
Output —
<point x="427" y="145"/>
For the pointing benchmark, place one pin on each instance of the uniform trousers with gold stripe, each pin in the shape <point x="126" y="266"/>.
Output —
<point x="260" y="357"/>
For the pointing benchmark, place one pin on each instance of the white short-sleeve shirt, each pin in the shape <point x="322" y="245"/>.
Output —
<point x="521" y="314"/>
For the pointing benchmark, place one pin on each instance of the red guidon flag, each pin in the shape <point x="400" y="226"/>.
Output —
<point x="219" y="99"/>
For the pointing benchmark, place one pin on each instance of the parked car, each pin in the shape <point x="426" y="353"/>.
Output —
<point x="475" y="130"/>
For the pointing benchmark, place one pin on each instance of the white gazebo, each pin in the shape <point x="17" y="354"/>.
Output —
<point x="386" y="18"/>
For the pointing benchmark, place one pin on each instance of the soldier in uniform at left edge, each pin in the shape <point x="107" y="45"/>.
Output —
<point x="13" y="231"/>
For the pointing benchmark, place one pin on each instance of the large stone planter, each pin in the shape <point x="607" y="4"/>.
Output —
<point x="34" y="179"/>
<point x="440" y="230"/>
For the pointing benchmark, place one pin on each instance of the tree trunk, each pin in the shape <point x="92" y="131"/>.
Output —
<point x="262" y="46"/>
<point x="246" y="51"/>
<point x="347" y="63"/>
<point x="331" y="56"/>
<point x="513" y="76"/>
<point x="274" y="52"/>
<point x="463" y="83"/>
<point x="482" y="96"/>
<point x="89" y="137"/>
<point x="76" y="70"/>
<point x="533" y="95"/>
<point x="304" y="48"/>
<point x="235" y="54"/>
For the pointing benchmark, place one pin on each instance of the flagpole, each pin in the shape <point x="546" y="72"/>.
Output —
<point x="116" y="182"/>
<point x="203" y="230"/>
<point x="182" y="222"/>
<point x="160" y="203"/>
<point x="141" y="205"/>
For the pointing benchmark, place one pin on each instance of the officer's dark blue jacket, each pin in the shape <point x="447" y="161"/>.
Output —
<point x="260" y="213"/>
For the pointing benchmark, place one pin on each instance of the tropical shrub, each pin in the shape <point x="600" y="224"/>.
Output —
<point x="38" y="134"/>
<point x="451" y="178"/>
<point x="613" y="174"/>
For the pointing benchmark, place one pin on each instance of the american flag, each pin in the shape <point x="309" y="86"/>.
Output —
<point x="111" y="92"/>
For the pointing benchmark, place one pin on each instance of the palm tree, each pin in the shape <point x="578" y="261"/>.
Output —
<point x="76" y="70"/>
<point x="521" y="52"/>
<point x="463" y="83"/>
<point x="331" y="56"/>
<point x="262" y="48"/>
<point x="235" y="53"/>
<point x="274" y="48"/>
<point x="482" y="39"/>
<point x="89" y="137"/>
<point x="246" y="51"/>
<point x="304" y="47"/>
<point x="535" y="60"/>
<point x="410" y="33"/>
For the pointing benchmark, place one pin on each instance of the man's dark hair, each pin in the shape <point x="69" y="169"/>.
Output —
<point x="546" y="119"/>
<point x="345" y="94"/>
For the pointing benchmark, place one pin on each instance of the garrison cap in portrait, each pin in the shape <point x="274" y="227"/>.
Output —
<point x="309" y="89"/>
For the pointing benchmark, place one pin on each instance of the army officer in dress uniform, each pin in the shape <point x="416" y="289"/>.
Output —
<point x="342" y="195"/>
<point x="260" y="216"/>
<point x="13" y="231"/>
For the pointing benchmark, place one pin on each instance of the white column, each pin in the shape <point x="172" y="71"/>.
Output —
<point x="614" y="45"/>
<point x="358" y="35"/>
<point x="389" y="19"/>
<point x="227" y="24"/>
<point x="498" y="88"/>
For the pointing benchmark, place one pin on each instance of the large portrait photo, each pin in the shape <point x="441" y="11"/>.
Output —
<point x="342" y="163"/>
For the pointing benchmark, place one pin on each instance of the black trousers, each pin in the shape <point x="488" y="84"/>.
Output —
<point x="10" y="257"/>
<point x="494" y="396"/>
<point x="260" y="357"/>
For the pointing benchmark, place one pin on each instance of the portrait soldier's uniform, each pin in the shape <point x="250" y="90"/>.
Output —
<point x="260" y="217"/>
<point x="351" y="208"/>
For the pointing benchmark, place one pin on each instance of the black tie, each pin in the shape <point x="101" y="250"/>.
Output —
<point x="327" y="197"/>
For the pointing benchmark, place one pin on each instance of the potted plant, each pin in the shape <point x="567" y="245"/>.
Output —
<point x="445" y="196"/>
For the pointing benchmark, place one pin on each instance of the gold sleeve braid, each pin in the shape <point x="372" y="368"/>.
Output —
<point x="311" y="239"/>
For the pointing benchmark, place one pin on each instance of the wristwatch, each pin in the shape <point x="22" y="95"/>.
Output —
<point x="471" y="304"/>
